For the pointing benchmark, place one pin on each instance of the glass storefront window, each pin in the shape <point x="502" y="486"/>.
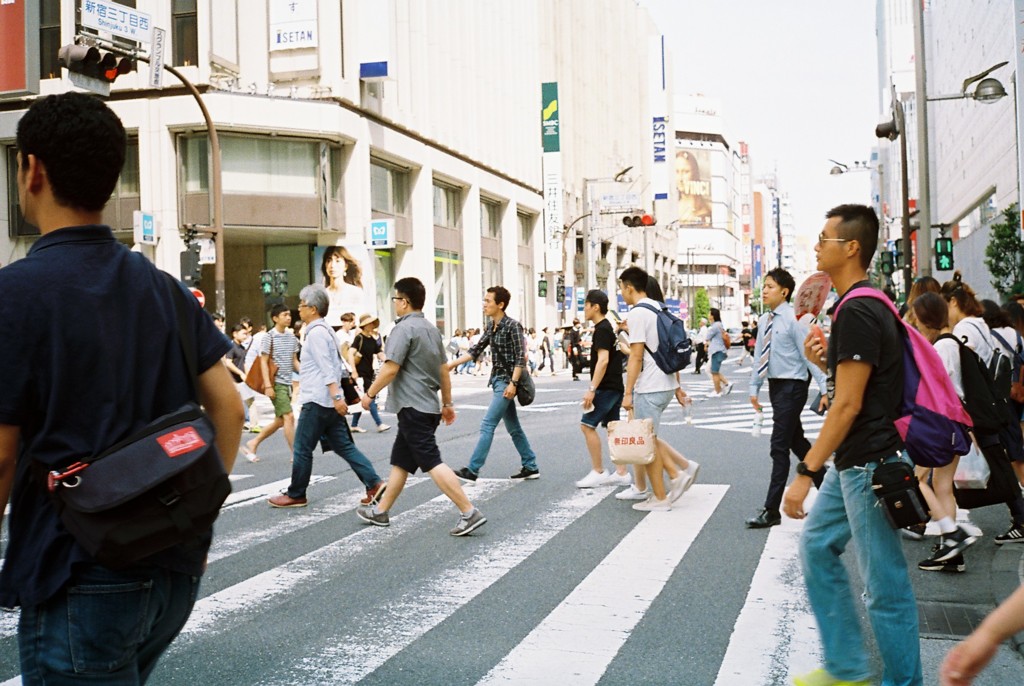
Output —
<point x="447" y="285"/>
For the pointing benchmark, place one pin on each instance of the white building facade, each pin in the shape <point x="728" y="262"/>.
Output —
<point x="335" y="115"/>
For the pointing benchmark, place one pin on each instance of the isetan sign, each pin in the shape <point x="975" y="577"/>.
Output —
<point x="19" y="47"/>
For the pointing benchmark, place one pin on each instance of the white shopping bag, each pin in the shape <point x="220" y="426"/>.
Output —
<point x="631" y="441"/>
<point x="972" y="472"/>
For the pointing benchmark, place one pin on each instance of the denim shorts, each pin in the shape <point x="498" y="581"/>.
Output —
<point x="606" y="407"/>
<point x="651" y="406"/>
<point x="716" y="361"/>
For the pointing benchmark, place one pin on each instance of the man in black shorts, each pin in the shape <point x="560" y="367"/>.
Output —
<point x="416" y="367"/>
<point x="603" y="400"/>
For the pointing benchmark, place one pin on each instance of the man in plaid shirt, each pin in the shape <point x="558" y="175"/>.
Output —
<point x="508" y="357"/>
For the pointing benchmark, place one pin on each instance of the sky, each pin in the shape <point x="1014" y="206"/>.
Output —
<point x="796" y="79"/>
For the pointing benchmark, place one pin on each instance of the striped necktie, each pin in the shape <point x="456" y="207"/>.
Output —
<point x="762" y="365"/>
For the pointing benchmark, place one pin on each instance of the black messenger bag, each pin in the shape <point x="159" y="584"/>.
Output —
<point x="161" y="487"/>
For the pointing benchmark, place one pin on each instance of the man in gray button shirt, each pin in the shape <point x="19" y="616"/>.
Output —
<point x="416" y="367"/>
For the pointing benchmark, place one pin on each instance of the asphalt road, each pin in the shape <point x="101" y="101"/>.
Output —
<point x="561" y="585"/>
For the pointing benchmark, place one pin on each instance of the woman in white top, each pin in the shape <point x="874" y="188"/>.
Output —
<point x="932" y="319"/>
<point x="965" y="313"/>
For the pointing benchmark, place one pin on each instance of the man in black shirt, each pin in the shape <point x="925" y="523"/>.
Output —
<point x="603" y="400"/>
<point x="574" y="349"/>
<point x="70" y="397"/>
<point x="865" y="387"/>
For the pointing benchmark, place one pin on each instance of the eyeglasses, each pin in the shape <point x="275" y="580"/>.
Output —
<point x="301" y="305"/>
<point x="823" y="239"/>
<point x="396" y="298"/>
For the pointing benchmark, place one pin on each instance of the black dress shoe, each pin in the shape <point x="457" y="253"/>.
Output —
<point x="764" y="520"/>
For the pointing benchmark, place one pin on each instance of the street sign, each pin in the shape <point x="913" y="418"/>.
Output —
<point x="199" y="296"/>
<point x="611" y="203"/>
<point x="119" y="20"/>
<point x="145" y="227"/>
<point x="156" y="59"/>
<point x="382" y="234"/>
<point x="207" y="251"/>
<point x="90" y="83"/>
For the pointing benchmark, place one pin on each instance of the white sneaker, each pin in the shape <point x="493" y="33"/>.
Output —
<point x="652" y="504"/>
<point x="616" y="479"/>
<point x="728" y="389"/>
<point x="631" y="493"/>
<point x="691" y="475"/>
<point x="382" y="428"/>
<point x="358" y="430"/>
<point x="592" y="479"/>
<point x="712" y="394"/>
<point x="677" y="487"/>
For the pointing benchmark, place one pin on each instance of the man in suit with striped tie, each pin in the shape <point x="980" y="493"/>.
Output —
<point x="779" y="358"/>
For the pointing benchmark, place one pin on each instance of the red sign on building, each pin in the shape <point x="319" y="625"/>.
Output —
<point x="19" y="47"/>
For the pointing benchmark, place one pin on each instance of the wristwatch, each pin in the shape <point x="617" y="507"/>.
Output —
<point x="802" y="470"/>
<point x="338" y="396"/>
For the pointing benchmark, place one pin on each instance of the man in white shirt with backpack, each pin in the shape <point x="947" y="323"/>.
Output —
<point x="649" y="390"/>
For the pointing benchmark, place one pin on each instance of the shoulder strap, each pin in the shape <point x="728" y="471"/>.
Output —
<point x="185" y="339"/>
<point x="1015" y="351"/>
<point x="866" y="292"/>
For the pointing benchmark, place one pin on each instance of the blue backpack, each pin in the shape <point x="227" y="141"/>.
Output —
<point x="674" y="345"/>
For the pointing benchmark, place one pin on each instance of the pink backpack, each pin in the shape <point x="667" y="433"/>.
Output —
<point x="932" y="423"/>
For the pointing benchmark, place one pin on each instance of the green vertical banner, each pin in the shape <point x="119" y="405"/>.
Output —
<point x="549" y="116"/>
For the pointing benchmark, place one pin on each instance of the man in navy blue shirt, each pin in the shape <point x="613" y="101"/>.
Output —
<point x="73" y="386"/>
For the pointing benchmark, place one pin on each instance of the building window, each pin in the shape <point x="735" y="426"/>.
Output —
<point x="185" y="32"/>
<point x="389" y="188"/>
<point x="254" y="165"/>
<point x="490" y="219"/>
<point x="49" y="39"/>
<point x="525" y="229"/>
<point x="527" y="296"/>
<point x="447" y="200"/>
<point x="336" y="191"/>
<point x="490" y="271"/>
<point x="447" y="286"/>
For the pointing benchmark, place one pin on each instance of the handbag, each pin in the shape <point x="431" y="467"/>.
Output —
<point x="631" y="441"/>
<point x="254" y="377"/>
<point x="526" y="390"/>
<point x="972" y="471"/>
<point x="161" y="487"/>
<point x="1002" y="486"/>
<point x="897" y="488"/>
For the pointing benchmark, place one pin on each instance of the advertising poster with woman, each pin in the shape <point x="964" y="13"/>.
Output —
<point x="347" y="274"/>
<point x="693" y="185"/>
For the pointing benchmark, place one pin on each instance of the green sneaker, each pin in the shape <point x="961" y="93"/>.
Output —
<point x="820" y="677"/>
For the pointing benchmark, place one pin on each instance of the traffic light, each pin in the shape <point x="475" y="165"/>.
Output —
<point x="280" y="281"/>
<point x="266" y="282"/>
<point x="191" y="270"/>
<point x="95" y="62"/>
<point x="542" y="288"/>
<point x="639" y="220"/>
<point x="943" y="254"/>
<point x="886" y="263"/>
<point x="897" y="256"/>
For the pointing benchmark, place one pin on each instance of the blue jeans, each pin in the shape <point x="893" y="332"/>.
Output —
<point x="846" y="508"/>
<point x="316" y="421"/>
<point x="501" y="409"/>
<point x="367" y="382"/>
<point x="105" y="626"/>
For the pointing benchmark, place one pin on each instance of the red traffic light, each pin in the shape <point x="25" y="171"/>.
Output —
<point x="639" y="220"/>
<point x="648" y="220"/>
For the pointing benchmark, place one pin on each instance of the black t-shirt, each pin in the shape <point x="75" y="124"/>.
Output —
<point x="367" y="347"/>
<point x="865" y="330"/>
<point x="237" y="357"/>
<point x="604" y="339"/>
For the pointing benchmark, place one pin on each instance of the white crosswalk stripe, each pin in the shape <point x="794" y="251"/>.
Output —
<point x="576" y="642"/>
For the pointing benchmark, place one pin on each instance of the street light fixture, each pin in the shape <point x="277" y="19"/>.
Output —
<point x="987" y="91"/>
<point x="840" y="168"/>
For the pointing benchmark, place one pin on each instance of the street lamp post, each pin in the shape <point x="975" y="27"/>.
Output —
<point x="893" y="130"/>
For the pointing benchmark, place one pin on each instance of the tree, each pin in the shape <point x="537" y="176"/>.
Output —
<point x="1004" y="255"/>
<point x="701" y="306"/>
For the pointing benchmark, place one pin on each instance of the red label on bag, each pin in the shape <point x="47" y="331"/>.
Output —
<point x="181" y="441"/>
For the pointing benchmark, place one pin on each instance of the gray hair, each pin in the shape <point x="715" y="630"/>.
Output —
<point x="315" y="295"/>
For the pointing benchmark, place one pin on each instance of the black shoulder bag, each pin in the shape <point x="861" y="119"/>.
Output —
<point x="156" y="489"/>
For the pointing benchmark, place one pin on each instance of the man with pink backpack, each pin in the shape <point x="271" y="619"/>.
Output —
<point x="864" y="363"/>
